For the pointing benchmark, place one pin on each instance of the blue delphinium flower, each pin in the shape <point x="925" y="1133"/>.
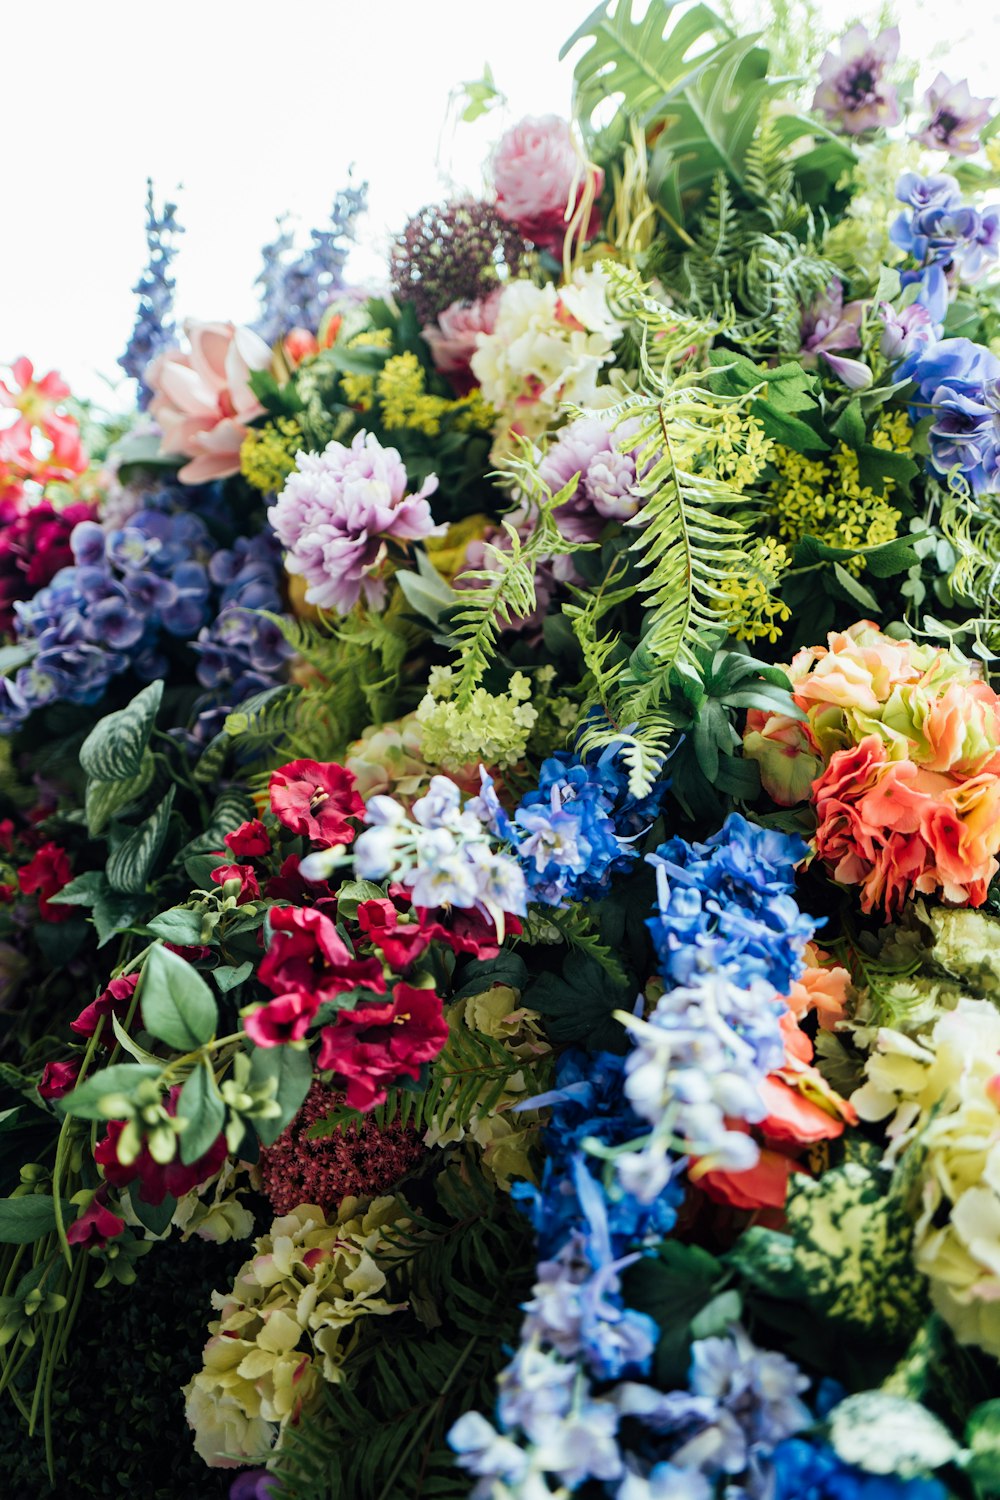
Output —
<point x="296" y="290"/>
<point x="154" y="329"/>
<point x="589" y="1104"/>
<point x="803" y="1471"/>
<point x="728" y="905"/>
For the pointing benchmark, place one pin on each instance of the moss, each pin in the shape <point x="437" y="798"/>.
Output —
<point x="118" y="1413"/>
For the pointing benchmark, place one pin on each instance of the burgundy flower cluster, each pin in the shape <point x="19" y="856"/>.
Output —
<point x="34" y="545"/>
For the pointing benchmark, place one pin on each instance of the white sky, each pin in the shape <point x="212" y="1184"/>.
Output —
<point x="253" y="109"/>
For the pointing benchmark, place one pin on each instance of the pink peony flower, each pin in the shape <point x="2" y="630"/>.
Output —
<point x="203" y="400"/>
<point x="454" y="338"/>
<point x="539" y="175"/>
<point x="336" y="514"/>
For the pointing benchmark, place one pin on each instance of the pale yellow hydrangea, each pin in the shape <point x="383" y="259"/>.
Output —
<point x="943" y="1096"/>
<point x="289" y="1323"/>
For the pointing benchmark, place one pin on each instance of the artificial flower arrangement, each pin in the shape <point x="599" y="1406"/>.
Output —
<point x="501" y="826"/>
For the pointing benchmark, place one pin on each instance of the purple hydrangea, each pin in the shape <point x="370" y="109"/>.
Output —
<point x="853" y="91"/>
<point x="955" y="117"/>
<point x="338" y="511"/>
<point x="937" y="229"/>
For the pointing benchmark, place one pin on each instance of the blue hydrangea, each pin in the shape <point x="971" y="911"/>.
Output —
<point x="804" y="1471"/>
<point x="728" y="905"/>
<point x="937" y="228"/>
<point x="958" y="386"/>
<point x="160" y="576"/>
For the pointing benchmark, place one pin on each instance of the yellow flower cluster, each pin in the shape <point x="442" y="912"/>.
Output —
<point x="493" y="729"/>
<point x="825" y="498"/>
<point x="267" y="454"/>
<point x="754" y="613"/>
<point x="741" y="448"/>
<point x="400" y="390"/>
<point x="289" y="1323"/>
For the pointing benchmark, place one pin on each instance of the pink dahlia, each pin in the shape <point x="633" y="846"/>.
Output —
<point x="539" y="175"/>
<point x="203" y="400"/>
<point x="338" y="511"/>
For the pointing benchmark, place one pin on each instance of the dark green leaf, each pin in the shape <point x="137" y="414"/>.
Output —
<point x="155" y="1217"/>
<point x="579" y="1004"/>
<point x="200" y="1104"/>
<point x="672" y="1287"/>
<point x="131" y="864"/>
<point x="352" y="893"/>
<point x="114" y="748"/>
<point x="25" y="1220"/>
<point x="84" y="890"/>
<point x="228" y="976"/>
<point x="107" y="797"/>
<point x="177" y="1005"/>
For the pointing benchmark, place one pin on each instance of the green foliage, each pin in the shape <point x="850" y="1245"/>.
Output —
<point x="130" y="863"/>
<point x="288" y="1071"/>
<point x="86" y="1101"/>
<point x="29" y="1218"/>
<point x="177" y="1005"/>
<point x="200" y="1106"/>
<point x="506" y="588"/>
<point x="117" y="1406"/>
<point x="673" y="1286"/>
<point x="114" y="748"/>
<point x="579" y="1004"/>
<point x="381" y="1434"/>
<point x="104" y="798"/>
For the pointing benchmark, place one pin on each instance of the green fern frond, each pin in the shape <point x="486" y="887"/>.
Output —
<point x="505" y="590"/>
<point x="577" y="930"/>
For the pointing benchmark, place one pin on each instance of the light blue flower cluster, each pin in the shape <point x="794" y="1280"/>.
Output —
<point x="958" y="386"/>
<point x="295" y="290"/>
<point x="576" y="829"/>
<point x="729" y="933"/>
<point x="938" y="230"/>
<point x="132" y="590"/>
<point x="443" y="853"/>
<point x="154" y="328"/>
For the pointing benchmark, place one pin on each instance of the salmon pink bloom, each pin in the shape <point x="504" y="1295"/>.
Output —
<point x="203" y="399"/>
<point x="38" y="402"/>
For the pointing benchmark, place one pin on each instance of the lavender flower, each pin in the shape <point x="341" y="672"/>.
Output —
<point x="336" y="514"/>
<point x="296" y="291"/>
<point x="853" y="91"/>
<point x="154" y="329"/>
<point x="955" y="117"/>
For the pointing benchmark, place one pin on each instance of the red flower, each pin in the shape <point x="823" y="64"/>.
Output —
<point x="249" y="841"/>
<point x="249" y="889"/>
<point x="400" y="942"/>
<point x="156" y="1181"/>
<point x="45" y="875"/>
<point x="288" y="885"/>
<point x="34" y="545"/>
<point x="285" y="1019"/>
<point x="316" y="799"/>
<point x="96" y="1225"/>
<point x="308" y="955"/>
<point x="7" y="833"/>
<point x="376" y="1044"/>
<point x="114" y="1000"/>
<point x="58" y="1078"/>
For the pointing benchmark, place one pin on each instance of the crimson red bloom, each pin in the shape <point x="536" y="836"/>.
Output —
<point x="249" y="889"/>
<point x="96" y="1225"/>
<point x="308" y="954"/>
<point x="288" y="885"/>
<point x="156" y="1181"/>
<point x="316" y="799"/>
<point x="401" y="942"/>
<point x="284" y="1019"/>
<point x="115" y="1000"/>
<point x="249" y="841"/>
<point x="44" y="876"/>
<point x="58" y="1078"/>
<point x="7" y="835"/>
<point x="375" y="1044"/>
